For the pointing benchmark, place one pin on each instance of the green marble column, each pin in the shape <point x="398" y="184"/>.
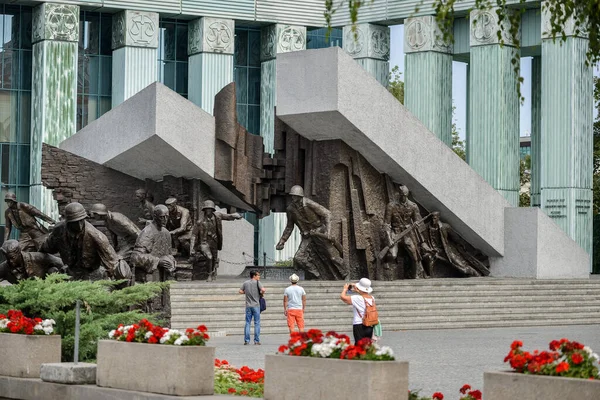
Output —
<point x="275" y="39"/>
<point x="536" y="121"/>
<point x="567" y="134"/>
<point x="428" y="71"/>
<point x="494" y="106"/>
<point x="55" y="36"/>
<point x="210" y="50"/>
<point x="370" y="47"/>
<point x="134" y="60"/>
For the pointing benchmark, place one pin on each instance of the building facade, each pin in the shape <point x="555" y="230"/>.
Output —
<point x="65" y="63"/>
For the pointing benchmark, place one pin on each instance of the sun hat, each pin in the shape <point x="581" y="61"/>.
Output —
<point x="294" y="278"/>
<point x="364" y="285"/>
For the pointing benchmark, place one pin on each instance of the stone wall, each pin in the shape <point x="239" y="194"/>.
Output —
<point x="74" y="178"/>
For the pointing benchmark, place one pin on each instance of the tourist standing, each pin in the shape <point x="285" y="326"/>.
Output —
<point x="252" y="288"/>
<point x="359" y="302"/>
<point x="294" y="302"/>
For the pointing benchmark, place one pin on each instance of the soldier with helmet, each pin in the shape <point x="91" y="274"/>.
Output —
<point x="119" y="226"/>
<point x="24" y="216"/>
<point x="318" y="254"/>
<point x="22" y="265"/>
<point x="401" y="214"/>
<point x="146" y="207"/>
<point x="207" y="236"/>
<point x="84" y="250"/>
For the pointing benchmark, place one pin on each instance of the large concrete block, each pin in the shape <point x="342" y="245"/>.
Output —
<point x="69" y="373"/>
<point x="173" y="370"/>
<point x="153" y="134"/>
<point x="535" y="247"/>
<point x="299" y="378"/>
<point x="511" y="386"/>
<point x="238" y="247"/>
<point x="22" y="355"/>
<point x="324" y="94"/>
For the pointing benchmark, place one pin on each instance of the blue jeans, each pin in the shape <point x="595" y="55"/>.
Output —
<point x="252" y="312"/>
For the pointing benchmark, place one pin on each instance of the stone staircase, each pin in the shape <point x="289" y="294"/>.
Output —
<point x="423" y="304"/>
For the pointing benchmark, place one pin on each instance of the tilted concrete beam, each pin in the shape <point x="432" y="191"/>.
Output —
<point x="324" y="94"/>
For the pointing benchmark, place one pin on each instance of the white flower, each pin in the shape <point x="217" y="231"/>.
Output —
<point x="48" y="322"/>
<point x="38" y="327"/>
<point x="148" y="335"/>
<point x="384" y="350"/>
<point x="48" y="330"/>
<point x="180" y="340"/>
<point x="111" y="334"/>
<point x="3" y="323"/>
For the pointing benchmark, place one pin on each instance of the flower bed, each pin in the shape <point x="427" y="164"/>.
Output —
<point x="366" y="366"/>
<point x="466" y="392"/>
<point x="129" y="360"/>
<point x="26" y="344"/>
<point x="568" y="371"/>
<point x="243" y="381"/>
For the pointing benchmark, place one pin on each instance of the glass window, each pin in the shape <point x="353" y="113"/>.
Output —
<point x="172" y="55"/>
<point x="318" y="38"/>
<point x="246" y="74"/>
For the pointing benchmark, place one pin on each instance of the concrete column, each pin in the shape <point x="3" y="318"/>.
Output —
<point x="428" y="71"/>
<point x="494" y="105"/>
<point x="135" y="54"/>
<point x="275" y="39"/>
<point x="54" y="88"/>
<point x="210" y="50"/>
<point x="370" y="47"/>
<point x="567" y="133"/>
<point x="536" y="121"/>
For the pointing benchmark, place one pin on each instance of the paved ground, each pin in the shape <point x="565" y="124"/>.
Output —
<point x="440" y="360"/>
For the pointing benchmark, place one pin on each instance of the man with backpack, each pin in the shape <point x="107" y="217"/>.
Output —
<point x="365" y="310"/>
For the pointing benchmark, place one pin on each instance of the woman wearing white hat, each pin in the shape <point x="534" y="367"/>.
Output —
<point x="358" y="303"/>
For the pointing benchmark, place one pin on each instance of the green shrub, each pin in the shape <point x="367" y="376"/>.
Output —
<point x="102" y="307"/>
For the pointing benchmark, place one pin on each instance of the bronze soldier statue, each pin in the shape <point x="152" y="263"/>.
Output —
<point x="180" y="226"/>
<point x="119" y="226"/>
<point x="84" y="250"/>
<point x="23" y="217"/>
<point x="207" y="237"/>
<point x="145" y="206"/>
<point x="437" y="247"/>
<point x="151" y="257"/>
<point x="22" y="265"/>
<point x="400" y="228"/>
<point x="319" y="254"/>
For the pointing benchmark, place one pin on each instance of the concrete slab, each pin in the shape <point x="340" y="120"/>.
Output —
<point x="536" y="247"/>
<point x="69" y="373"/>
<point x="324" y="94"/>
<point x="153" y="134"/>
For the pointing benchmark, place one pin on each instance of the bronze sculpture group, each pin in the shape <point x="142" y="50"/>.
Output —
<point x="76" y="247"/>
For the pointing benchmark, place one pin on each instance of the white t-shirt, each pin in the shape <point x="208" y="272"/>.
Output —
<point x="358" y="305"/>
<point x="294" y="295"/>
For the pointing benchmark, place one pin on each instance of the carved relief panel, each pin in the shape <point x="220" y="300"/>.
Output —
<point x="136" y="29"/>
<point x="56" y="22"/>
<point x="277" y="39"/>
<point x="367" y="41"/>
<point x="211" y="35"/>
<point x="424" y="34"/>
<point x="485" y="26"/>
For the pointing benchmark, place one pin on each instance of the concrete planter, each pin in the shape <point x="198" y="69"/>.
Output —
<point x="23" y="355"/>
<point x="512" y="385"/>
<point x="298" y="378"/>
<point x="173" y="370"/>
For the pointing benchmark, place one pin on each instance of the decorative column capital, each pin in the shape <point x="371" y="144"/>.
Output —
<point x="278" y="38"/>
<point x="485" y="26"/>
<point x="569" y="27"/>
<point x="58" y="22"/>
<point x="424" y="34"/>
<point x="211" y="35"/>
<point x="135" y="29"/>
<point x="369" y="41"/>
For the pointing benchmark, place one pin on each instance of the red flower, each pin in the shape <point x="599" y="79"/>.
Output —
<point x="437" y="396"/>
<point x="554" y="345"/>
<point x="231" y="390"/>
<point x="476" y="394"/>
<point x="464" y="389"/>
<point x="152" y="340"/>
<point x="202" y="328"/>
<point x="562" y="367"/>
<point x="577" y="358"/>
<point x="515" y="344"/>
<point x="282" y="349"/>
